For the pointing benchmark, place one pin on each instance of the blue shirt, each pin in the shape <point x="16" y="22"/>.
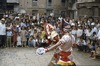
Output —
<point x="9" y="33"/>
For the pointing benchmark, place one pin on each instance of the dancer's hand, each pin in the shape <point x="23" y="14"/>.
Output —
<point x="46" y="50"/>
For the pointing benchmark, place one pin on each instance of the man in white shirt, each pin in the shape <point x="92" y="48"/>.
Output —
<point x="79" y="32"/>
<point x="94" y="29"/>
<point x="98" y="34"/>
<point x="60" y="18"/>
<point x="98" y="37"/>
<point x="2" y="33"/>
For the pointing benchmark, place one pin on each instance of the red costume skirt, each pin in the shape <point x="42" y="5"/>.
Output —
<point x="62" y="56"/>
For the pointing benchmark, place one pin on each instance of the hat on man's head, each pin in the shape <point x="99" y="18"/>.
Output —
<point x="93" y="23"/>
<point x="3" y="19"/>
<point x="72" y="24"/>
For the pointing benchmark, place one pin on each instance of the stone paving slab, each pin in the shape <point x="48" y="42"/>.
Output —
<point x="28" y="57"/>
<point x="23" y="57"/>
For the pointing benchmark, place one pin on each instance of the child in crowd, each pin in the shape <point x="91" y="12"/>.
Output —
<point x="23" y="36"/>
<point x="93" y="46"/>
<point x="85" y="45"/>
<point x="79" y="44"/>
<point x="43" y="42"/>
<point x="9" y="35"/>
<point x="97" y="55"/>
<point x="32" y="41"/>
<point x="19" y="40"/>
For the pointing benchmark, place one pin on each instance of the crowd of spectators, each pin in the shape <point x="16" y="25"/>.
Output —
<point x="23" y="30"/>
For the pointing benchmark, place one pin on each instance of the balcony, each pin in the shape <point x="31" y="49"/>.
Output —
<point x="12" y="1"/>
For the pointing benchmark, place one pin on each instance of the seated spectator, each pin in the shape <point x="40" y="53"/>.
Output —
<point x="79" y="44"/>
<point x="93" y="48"/>
<point x="97" y="55"/>
<point x="32" y="42"/>
<point x="85" y="45"/>
<point x="89" y="44"/>
<point x="43" y="42"/>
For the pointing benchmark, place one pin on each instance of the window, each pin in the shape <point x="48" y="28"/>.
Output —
<point x="34" y="2"/>
<point x="63" y="1"/>
<point x="49" y="1"/>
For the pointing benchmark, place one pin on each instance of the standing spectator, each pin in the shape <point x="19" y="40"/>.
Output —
<point x="27" y="35"/>
<point x="9" y="35"/>
<point x="23" y="23"/>
<point x="14" y="37"/>
<point x="98" y="34"/>
<point x="74" y="31"/>
<point x="88" y="32"/>
<point x="97" y="22"/>
<point x="19" y="43"/>
<point x="2" y="33"/>
<point x="60" y="18"/>
<point x="27" y="23"/>
<point x="79" y="32"/>
<point x="98" y="38"/>
<point x="23" y="36"/>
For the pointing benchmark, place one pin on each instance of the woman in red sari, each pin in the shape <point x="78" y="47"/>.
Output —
<point x="14" y="37"/>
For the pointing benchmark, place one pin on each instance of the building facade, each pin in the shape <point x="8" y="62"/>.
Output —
<point x="57" y="7"/>
<point x="2" y="7"/>
<point x="71" y="8"/>
<point x="12" y="6"/>
<point x="90" y="8"/>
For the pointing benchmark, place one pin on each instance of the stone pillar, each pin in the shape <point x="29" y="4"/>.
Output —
<point x="75" y="15"/>
<point x="96" y="11"/>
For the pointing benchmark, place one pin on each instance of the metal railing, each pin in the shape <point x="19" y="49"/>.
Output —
<point x="12" y="1"/>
